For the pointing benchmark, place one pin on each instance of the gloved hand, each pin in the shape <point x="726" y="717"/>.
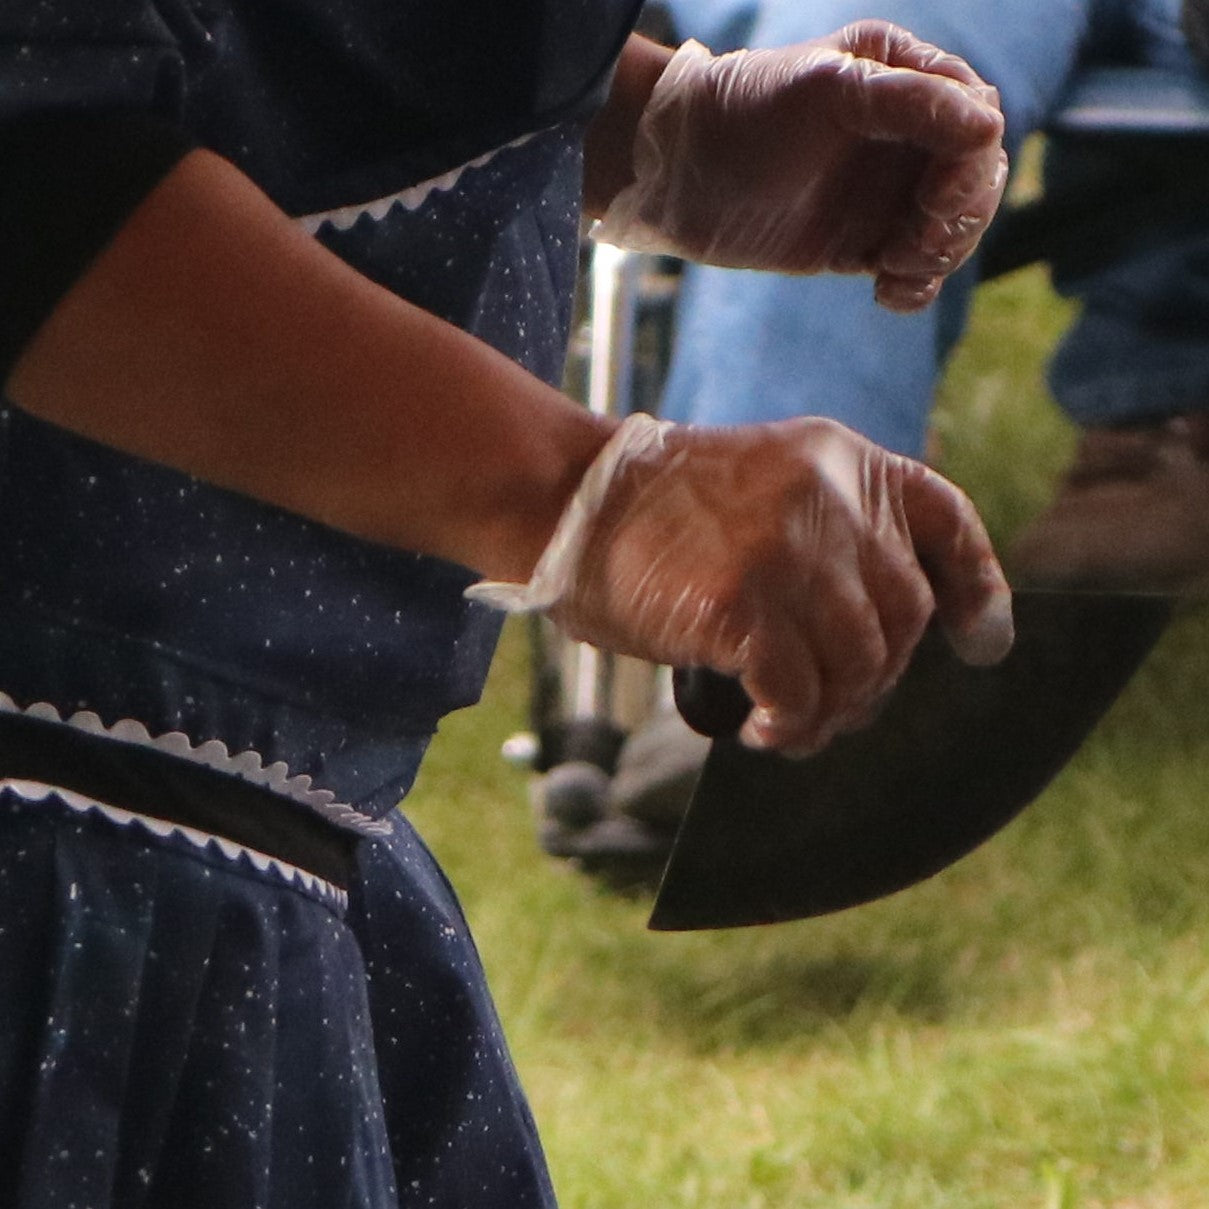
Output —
<point x="795" y="555"/>
<point x="867" y="151"/>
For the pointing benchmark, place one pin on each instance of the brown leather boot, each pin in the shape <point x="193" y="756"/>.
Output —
<point x="1132" y="513"/>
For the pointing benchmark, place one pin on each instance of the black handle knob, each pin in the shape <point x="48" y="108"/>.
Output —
<point x="711" y="703"/>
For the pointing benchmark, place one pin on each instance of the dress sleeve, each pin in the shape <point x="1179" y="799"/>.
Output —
<point x="90" y="122"/>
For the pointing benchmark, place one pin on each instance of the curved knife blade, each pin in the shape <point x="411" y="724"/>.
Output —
<point x="955" y="755"/>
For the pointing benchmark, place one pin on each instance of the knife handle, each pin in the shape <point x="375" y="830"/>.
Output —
<point x="711" y="703"/>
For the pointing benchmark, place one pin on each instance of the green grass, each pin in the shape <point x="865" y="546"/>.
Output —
<point x="1029" y="1030"/>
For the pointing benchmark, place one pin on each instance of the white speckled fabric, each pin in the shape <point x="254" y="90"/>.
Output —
<point x="181" y="1023"/>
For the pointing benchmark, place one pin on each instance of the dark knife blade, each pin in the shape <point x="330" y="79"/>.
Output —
<point x="954" y="756"/>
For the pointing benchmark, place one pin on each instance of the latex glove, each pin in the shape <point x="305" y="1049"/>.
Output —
<point x="867" y="151"/>
<point x="796" y="555"/>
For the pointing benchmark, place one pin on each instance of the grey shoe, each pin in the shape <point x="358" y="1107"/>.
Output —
<point x="623" y="853"/>
<point x="656" y="772"/>
<point x="620" y="830"/>
<point x="574" y="824"/>
<point x="572" y="796"/>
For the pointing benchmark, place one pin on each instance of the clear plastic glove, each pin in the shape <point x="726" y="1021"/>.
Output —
<point x="797" y="556"/>
<point x="867" y="151"/>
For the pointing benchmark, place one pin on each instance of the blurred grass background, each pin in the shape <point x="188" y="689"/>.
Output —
<point x="1028" y="1030"/>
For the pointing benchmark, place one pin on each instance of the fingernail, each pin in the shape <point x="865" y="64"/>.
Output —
<point x="896" y="295"/>
<point x="989" y="637"/>
<point x="762" y="731"/>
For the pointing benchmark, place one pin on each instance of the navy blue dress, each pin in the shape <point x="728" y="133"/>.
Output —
<point x="187" y="1019"/>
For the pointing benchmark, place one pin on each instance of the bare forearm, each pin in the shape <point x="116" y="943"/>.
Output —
<point x="215" y="336"/>
<point x="609" y="150"/>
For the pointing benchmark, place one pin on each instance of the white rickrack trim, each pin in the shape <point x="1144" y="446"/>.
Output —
<point x="411" y="198"/>
<point x="247" y="765"/>
<point x="38" y="791"/>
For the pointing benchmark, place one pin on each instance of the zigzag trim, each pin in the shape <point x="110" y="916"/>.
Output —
<point x="411" y="198"/>
<point x="37" y="791"/>
<point x="247" y="765"/>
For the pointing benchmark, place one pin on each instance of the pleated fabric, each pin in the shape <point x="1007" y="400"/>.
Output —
<point x="188" y="1032"/>
<point x="183" y="1027"/>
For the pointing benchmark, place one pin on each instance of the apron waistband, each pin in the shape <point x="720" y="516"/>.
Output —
<point x="173" y="790"/>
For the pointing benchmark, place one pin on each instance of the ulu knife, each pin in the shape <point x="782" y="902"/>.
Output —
<point x="956" y="753"/>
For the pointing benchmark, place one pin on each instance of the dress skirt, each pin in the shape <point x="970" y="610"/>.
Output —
<point x="186" y="1022"/>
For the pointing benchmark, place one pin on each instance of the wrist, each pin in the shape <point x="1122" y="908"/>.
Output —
<point x="609" y="145"/>
<point x="663" y="163"/>
<point x="555" y="569"/>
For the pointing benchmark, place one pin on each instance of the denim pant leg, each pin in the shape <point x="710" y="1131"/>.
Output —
<point x="720" y="24"/>
<point x="755" y="346"/>
<point x="758" y="346"/>
<point x="1139" y="349"/>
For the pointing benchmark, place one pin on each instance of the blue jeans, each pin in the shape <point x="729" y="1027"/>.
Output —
<point x="756" y="346"/>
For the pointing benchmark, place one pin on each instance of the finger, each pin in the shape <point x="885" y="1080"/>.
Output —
<point x="846" y="631"/>
<point x="937" y="113"/>
<point x="897" y="47"/>
<point x="955" y="204"/>
<point x="905" y="295"/>
<point x="838" y="664"/>
<point x="866" y="717"/>
<point x="973" y="600"/>
<point x="906" y="603"/>
<point x="971" y="185"/>
<point x="928" y="249"/>
<point x="779" y="719"/>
